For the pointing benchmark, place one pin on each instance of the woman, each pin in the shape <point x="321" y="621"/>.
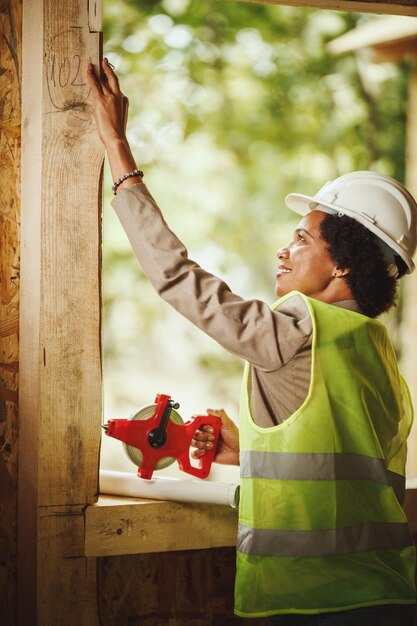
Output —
<point x="324" y="411"/>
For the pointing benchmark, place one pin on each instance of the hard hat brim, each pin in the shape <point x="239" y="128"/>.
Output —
<point x="302" y="204"/>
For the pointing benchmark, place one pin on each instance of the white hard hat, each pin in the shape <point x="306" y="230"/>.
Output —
<point x="377" y="201"/>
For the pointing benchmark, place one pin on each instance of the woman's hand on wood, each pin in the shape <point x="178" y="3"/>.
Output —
<point x="110" y="105"/>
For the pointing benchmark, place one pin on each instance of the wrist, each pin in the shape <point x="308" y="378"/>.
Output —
<point x="120" y="157"/>
<point x="131" y="178"/>
<point x="115" y="142"/>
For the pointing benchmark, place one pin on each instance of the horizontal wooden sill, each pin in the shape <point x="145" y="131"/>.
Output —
<point x="119" y="525"/>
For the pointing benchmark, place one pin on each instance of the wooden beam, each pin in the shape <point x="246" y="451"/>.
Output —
<point x="377" y="32"/>
<point x="409" y="322"/>
<point x="60" y="358"/>
<point x="133" y="526"/>
<point x="395" y="52"/>
<point x="66" y="585"/>
<point x="391" y="7"/>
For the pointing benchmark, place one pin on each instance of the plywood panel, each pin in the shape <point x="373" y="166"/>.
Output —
<point x="10" y="113"/>
<point x="190" y="588"/>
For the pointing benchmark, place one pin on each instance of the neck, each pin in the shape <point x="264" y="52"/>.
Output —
<point x="337" y="291"/>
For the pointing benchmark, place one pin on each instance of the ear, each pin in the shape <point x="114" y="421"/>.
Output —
<point x="339" y="272"/>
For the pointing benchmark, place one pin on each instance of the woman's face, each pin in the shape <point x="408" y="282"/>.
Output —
<point x="304" y="263"/>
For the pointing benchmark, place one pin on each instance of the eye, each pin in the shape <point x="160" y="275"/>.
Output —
<point x="300" y="237"/>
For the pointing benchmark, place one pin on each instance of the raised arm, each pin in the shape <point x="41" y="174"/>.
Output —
<point x="110" y="113"/>
<point x="246" y="328"/>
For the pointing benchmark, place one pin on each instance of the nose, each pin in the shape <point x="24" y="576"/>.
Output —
<point x="283" y="253"/>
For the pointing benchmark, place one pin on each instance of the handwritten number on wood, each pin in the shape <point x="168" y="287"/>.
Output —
<point x="66" y="71"/>
<point x="66" y="86"/>
<point x="77" y="63"/>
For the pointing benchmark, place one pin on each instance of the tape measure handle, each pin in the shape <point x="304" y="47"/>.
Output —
<point x="204" y="463"/>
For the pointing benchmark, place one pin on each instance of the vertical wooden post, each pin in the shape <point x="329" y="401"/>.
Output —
<point x="60" y="386"/>
<point x="409" y="342"/>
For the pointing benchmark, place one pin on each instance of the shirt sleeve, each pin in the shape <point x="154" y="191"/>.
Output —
<point x="248" y="329"/>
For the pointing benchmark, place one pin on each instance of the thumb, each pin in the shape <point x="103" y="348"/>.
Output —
<point x="219" y="413"/>
<point x="227" y="422"/>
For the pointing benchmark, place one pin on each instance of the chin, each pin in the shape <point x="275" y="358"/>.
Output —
<point x="280" y="291"/>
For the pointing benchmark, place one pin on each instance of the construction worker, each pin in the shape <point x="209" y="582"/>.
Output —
<point x="325" y="414"/>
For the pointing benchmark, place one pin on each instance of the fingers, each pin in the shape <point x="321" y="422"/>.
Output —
<point x="220" y="413"/>
<point x="94" y="83"/>
<point x="197" y="454"/>
<point x="203" y="445"/>
<point x="112" y="80"/>
<point x="110" y="84"/>
<point x="203" y="441"/>
<point x="203" y="438"/>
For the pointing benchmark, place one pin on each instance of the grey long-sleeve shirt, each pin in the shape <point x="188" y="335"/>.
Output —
<point x="277" y="343"/>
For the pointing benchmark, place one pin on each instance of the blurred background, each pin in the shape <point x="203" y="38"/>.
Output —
<point x="232" y="106"/>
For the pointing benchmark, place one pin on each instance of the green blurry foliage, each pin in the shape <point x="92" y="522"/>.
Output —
<point x="232" y="106"/>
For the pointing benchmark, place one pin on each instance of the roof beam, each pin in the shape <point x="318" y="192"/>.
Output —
<point x="391" y="7"/>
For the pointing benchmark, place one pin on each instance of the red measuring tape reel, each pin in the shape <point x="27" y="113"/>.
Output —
<point x="156" y="436"/>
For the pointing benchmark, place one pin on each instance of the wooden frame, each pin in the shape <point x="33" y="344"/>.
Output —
<point x="59" y="525"/>
<point x="395" y="7"/>
<point x="393" y="39"/>
<point x="60" y="383"/>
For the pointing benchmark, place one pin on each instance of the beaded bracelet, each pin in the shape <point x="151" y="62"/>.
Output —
<point x="128" y="175"/>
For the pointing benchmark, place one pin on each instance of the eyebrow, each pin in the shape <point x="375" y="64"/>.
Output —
<point x="303" y="230"/>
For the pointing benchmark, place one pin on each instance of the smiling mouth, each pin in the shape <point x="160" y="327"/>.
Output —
<point x="282" y="270"/>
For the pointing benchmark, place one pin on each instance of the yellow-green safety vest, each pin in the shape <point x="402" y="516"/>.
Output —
<point x="321" y="522"/>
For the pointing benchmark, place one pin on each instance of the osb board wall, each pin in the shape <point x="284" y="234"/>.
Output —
<point x="189" y="588"/>
<point x="10" y="110"/>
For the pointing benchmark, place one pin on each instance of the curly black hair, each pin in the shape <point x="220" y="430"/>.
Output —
<point x="354" y="247"/>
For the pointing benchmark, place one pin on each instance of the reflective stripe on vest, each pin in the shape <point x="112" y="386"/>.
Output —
<point x="322" y="465"/>
<point x="335" y="541"/>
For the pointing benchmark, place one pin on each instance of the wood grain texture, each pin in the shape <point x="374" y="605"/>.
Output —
<point x="10" y="325"/>
<point x="187" y="588"/>
<point x="409" y="322"/>
<point x="60" y="357"/>
<point x="391" y="7"/>
<point x="67" y="580"/>
<point x="95" y="16"/>
<point x="129" y="526"/>
<point x="61" y="253"/>
<point x="10" y="147"/>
